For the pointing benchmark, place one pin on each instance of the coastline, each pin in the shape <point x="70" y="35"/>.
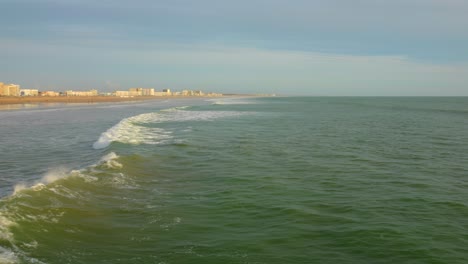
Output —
<point x="84" y="99"/>
<point x="72" y="99"/>
<point x="24" y="102"/>
<point x="11" y="100"/>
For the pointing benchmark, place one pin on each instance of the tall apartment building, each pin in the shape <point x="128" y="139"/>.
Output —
<point x="148" y="91"/>
<point x="141" y="91"/>
<point x="135" y="91"/>
<point x="9" y="89"/>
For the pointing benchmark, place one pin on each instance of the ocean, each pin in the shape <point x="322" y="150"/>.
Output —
<point x="236" y="180"/>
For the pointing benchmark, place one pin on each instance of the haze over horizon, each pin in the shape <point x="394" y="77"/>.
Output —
<point x="364" y="47"/>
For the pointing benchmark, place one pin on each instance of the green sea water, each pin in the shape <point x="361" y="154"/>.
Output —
<point x="247" y="180"/>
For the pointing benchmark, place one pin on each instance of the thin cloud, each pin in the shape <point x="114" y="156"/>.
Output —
<point x="257" y="70"/>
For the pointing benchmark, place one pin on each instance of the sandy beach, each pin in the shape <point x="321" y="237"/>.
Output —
<point x="71" y="99"/>
<point x="33" y="100"/>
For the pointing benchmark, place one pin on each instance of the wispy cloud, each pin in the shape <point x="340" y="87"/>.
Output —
<point x="249" y="69"/>
<point x="306" y="46"/>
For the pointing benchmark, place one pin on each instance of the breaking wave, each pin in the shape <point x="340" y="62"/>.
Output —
<point x="135" y="131"/>
<point x="109" y="160"/>
<point x="128" y="131"/>
<point x="27" y="203"/>
<point x="232" y="102"/>
<point x="51" y="176"/>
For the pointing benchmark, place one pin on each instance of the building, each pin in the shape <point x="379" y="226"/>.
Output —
<point x="49" y="93"/>
<point x="141" y="91"/>
<point x="122" y="93"/>
<point x="167" y="91"/>
<point x="148" y="92"/>
<point x="9" y="89"/>
<point x="135" y="91"/>
<point x="187" y="93"/>
<point x="81" y="93"/>
<point x="29" y="92"/>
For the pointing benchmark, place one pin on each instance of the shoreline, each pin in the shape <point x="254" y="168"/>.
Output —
<point x="86" y="99"/>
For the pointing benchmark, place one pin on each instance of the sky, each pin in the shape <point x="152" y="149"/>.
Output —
<point x="288" y="47"/>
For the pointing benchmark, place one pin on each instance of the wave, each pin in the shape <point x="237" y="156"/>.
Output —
<point x="10" y="253"/>
<point x="7" y="256"/>
<point x="128" y="131"/>
<point x="108" y="161"/>
<point x="51" y="176"/>
<point x="232" y="101"/>
<point x="46" y="201"/>
<point x="63" y="193"/>
<point x="135" y="131"/>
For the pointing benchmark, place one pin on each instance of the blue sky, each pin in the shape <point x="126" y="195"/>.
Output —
<point x="360" y="47"/>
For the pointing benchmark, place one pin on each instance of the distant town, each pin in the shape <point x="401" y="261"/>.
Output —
<point x="14" y="90"/>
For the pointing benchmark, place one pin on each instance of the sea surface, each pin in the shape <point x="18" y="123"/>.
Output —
<point x="245" y="180"/>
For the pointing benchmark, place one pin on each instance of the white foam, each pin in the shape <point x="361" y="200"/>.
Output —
<point x="133" y="131"/>
<point x="120" y="180"/>
<point x="51" y="176"/>
<point x="5" y="224"/>
<point x="110" y="161"/>
<point x="88" y="178"/>
<point x="7" y="256"/>
<point x="19" y="187"/>
<point x="54" y="174"/>
<point x="32" y="244"/>
<point x="181" y="115"/>
<point x="108" y="157"/>
<point x="232" y="102"/>
<point x="128" y="131"/>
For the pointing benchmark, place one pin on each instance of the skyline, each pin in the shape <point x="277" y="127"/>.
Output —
<point x="300" y="48"/>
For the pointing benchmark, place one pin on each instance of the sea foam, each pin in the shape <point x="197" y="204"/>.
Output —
<point x="232" y="101"/>
<point x="129" y="131"/>
<point x="10" y="253"/>
<point x="109" y="160"/>
<point x="7" y="256"/>
<point x="51" y="176"/>
<point x="132" y="130"/>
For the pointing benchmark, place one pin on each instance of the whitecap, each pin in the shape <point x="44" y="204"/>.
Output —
<point x="5" y="225"/>
<point x="7" y="256"/>
<point x="132" y="130"/>
<point x="110" y="161"/>
<point x="52" y="175"/>
<point x="235" y="101"/>
<point x="129" y="131"/>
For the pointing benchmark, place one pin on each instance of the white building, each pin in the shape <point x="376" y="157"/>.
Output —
<point x="147" y="91"/>
<point x="122" y="93"/>
<point x="29" y="92"/>
<point x="167" y="91"/>
<point x="81" y="93"/>
<point x="9" y="89"/>
<point x="49" y="93"/>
